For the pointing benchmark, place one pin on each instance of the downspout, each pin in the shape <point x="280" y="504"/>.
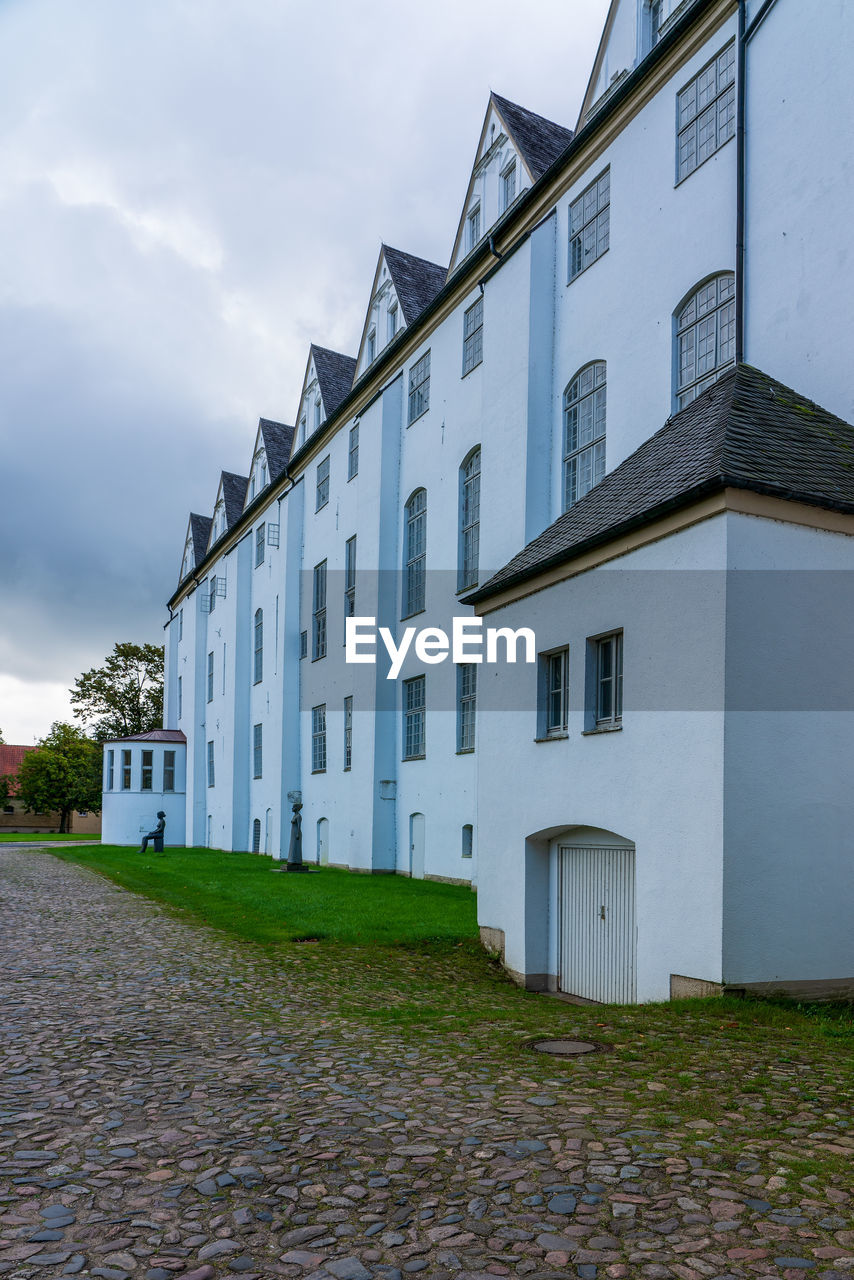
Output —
<point x="740" y="185"/>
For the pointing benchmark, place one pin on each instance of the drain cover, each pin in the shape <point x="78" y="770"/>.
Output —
<point x="564" y="1048"/>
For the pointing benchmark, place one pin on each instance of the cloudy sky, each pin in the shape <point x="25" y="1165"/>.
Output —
<point x="191" y="191"/>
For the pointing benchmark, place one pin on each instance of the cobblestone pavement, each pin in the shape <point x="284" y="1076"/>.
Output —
<point x="159" y="1119"/>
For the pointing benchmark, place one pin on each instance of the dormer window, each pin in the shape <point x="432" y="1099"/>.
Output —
<point x="508" y="185"/>
<point x="263" y="472"/>
<point x="302" y="426"/>
<point x="392" y="321"/>
<point x="218" y="521"/>
<point x="474" y="227"/>
<point x="372" y="346"/>
<point x="318" y="412"/>
<point x="650" y="22"/>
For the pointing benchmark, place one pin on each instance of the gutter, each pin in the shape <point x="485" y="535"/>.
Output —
<point x="740" y="178"/>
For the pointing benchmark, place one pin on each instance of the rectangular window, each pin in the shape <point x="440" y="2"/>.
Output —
<point x="590" y="225"/>
<point x="469" y="522"/>
<point x="147" y="771"/>
<point x="554" y="699"/>
<point x="415" y="532"/>
<point x="392" y="321"/>
<point x="414" y="705"/>
<point x="473" y="228"/>
<point x="303" y="644"/>
<point x="168" y="770"/>
<point x="371" y="347"/>
<point x="212" y="595"/>
<point x="609" y="681"/>
<point x="257" y="750"/>
<point x="180" y="624"/>
<point x="419" y="387"/>
<point x="473" y="337"/>
<point x="259" y="545"/>
<point x="508" y="186"/>
<point x="125" y="771"/>
<point x="318" y="632"/>
<point x="468" y="840"/>
<point x="318" y="413"/>
<point x="706" y="113"/>
<point x="466" y="705"/>
<point x="258" y="673"/>
<point x="353" y="455"/>
<point x="348" y="732"/>
<point x="350" y="577"/>
<point x="210" y="675"/>
<point x="211" y="777"/>
<point x="318" y="739"/>
<point x="322" y="496"/>
<point x="180" y="696"/>
<point x="111" y="762"/>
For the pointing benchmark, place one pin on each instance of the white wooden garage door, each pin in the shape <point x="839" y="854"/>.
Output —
<point x="596" y="888"/>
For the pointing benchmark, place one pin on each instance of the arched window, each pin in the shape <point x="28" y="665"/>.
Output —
<point x="259" y="646"/>
<point x="468" y="840"/>
<point x="705" y="337"/>
<point x="583" y="432"/>
<point x="415" y="556"/>
<point x="469" y="520"/>
<point x="256" y="836"/>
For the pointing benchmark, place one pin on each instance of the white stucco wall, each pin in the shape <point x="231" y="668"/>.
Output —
<point x="127" y="814"/>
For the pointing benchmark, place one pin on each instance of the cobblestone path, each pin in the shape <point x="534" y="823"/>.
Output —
<point x="170" y="1106"/>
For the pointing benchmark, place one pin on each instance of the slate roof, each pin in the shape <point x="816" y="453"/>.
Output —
<point x="234" y="496"/>
<point x="200" y="527"/>
<point x="416" y="281"/>
<point x="277" y="445"/>
<point x="153" y="735"/>
<point x="335" y="374"/>
<point x="748" y="431"/>
<point x="540" y="140"/>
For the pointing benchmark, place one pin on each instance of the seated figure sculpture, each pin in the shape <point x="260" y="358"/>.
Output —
<point x="156" y="835"/>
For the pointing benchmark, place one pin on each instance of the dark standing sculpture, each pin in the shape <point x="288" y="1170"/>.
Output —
<point x="295" y="862"/>
<point x="156" y="835"/>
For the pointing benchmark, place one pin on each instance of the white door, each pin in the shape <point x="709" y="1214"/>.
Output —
<point x="323" y="841"/>
<point x="596" y="888"/>
<point x="268" y="830"/>
<point x="416" y="846"/>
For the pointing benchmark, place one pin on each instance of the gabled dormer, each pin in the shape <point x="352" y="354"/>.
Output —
<point x="230" y="500"/>
<point x="195" y="544"/>
<point x="328" y="380"/>
<point x="632" y="29"/>
<point x="403" y="286"/>
<point x="269" y="457"/>
<point x="515" y="149"/>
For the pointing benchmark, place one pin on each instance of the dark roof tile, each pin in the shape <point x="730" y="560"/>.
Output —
<point x="335" y="375"/>
<point x="277" y="445"/>
<point x="200" y="526"/>
<point x="234" y="496"/>
<point x="541" y="141"/>
<point x="416" y="281"/>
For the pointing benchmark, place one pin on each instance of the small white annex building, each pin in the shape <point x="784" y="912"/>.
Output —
<point x="144" y="774"/>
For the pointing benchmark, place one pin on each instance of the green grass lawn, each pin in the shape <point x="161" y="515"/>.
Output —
<point x="240" y="893"/>
<point x="27" y="837"/>
<point x="400" y="958"/>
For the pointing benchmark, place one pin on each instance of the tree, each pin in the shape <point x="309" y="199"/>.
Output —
<point x="125" y="695"/>
<point x="6" y="781"/>
<point x="2" y="739"/>
<point x="63" y="773"/>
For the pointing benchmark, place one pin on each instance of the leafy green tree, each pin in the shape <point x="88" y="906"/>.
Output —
<point x="63" y="773"/>
<point x="125" y="695"/>
<point x="6" y="781"/>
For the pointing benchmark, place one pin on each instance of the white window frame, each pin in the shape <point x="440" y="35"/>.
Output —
<point x="353" y="452"/>
<point x="608" y="686"/>
<point x="473" y="336"/>
<point x="508" y="193"/>
<point x="169" y="770"/>
<point x="391" y="326"/>
<point x="146" y="782"/>
<point x="127" y="774"/>
<point x="211" y="764"/>
<point x="704" y="330"/>
<point x="415" y="545"/>
<point x="258" y="647"/>
<point x="706" y="113"/>
<point x="318" y="738"/>
<point x="348" y="733"/>
<point x="350" y="577"/>
<point x="554" y="693"/>
<point x="257" y="750"/>
<point x="210" y="689"/>
<point x="318" y="615"/>
<point x="322" y="483"/>
<point x="469" y="521"/>
<point x="590" y="225"/>
<point x="466" y="707"/>
<point x="419" y="387"/>
<point x="414" y="695"/>
<point x="260" y="545"/>
<point x="111" y="766"/>
<point x="473" y="221"/>
<point x="584" y="431"/>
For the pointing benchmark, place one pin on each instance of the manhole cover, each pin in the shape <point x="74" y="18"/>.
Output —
<point x="564" y="1048"/>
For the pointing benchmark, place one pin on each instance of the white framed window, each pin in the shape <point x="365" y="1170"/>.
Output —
<point x="257" y="750"/>
<point x="419" y="387"/>
<point x="318" y="632"/>
<point x="473" y="227"/>
<point x="322" y="490"/>
<point x="180" y="624"/>
<point x="706" y="113"/>
<point x="168" y="770"/>
<point x="303" y="429"/>
<point x="584" y="404"/>
<point x="554" y="693"/>
<point x="350" y="577"/>
<point x="318" y="738"/>
<point x="414" y="712"/>
<point x="469" y="521"/>
<point x="210" y="676"/>
<point x="303" y="644"/>
<point x="650" y="23"/>
<point x="180" y="697"/>
<point x="705" y="337"/>
<point x="473" y="337"/>
<point x="211" y="770"/>
<point x="415" y="567"/>
<point x="348" y="733"/>
<point x="256" y="835"/>
<point x="371" y="350"/>
<point x="260" y="545"/>
<point x="608" y="658"/>
<point x="147" y="782"/>
<point x="258" y="648"/>
<point x="466" y="705"/>
<point x="353" y="452"/>
<point x="318" y="412"/>
<point x="211" y="595"/>
<point x="467" y="840"/>
<point x="392" y="321"/>
<point x="111" y="763"/>
<point x="125" y="771"/>
<point x="508" y="185"/>
<point x="590" y="225"/>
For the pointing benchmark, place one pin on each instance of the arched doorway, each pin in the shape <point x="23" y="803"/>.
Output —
<point x="256" y="836"/>
<point x="416" y="845"/>
<point x="323" y="841"/>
